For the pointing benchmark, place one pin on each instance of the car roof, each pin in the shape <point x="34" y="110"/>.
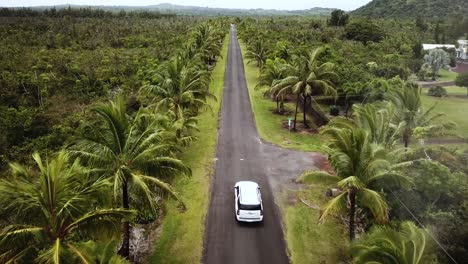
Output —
<point x="248" y="192"/>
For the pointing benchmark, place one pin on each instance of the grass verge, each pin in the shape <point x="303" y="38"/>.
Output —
<point x="269" y="125"/>
<point x="181" y="237"/>
<point x="309" y="241"/>
<point x="454" y="106"/>
<point x="446" y="76"/>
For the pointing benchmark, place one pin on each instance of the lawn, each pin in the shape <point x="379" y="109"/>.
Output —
<point x="307" y="239"/>
<point x="446" y="76"/>
<point x="455" y="106"/>
<point x="181" y="237"/>
<point x="269" y="125"/>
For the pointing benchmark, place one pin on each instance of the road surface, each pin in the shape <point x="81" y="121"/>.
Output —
<point x="241" y="155"/>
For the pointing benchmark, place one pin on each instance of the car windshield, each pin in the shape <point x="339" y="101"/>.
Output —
<point x="250" y="207"/>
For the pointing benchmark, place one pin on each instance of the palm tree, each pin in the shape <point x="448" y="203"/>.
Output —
<point x="257" y="52"/>
<point x="305" y="76"/>
<point x="273" y="71"/>
<point x="353" y="92"/>
<point x="102" y="252"/>
<point x="378" y="121"/>
<point x="360" y="167"/>
<point x="407" y="100"/>
<point x="50" y="208"/>
<point x="133" y="153"/>
<point x="407" y="245"/>
<point x="208" y="42"/>
<point x="179" y="87"/>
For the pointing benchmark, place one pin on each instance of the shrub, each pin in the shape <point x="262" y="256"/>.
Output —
<point x="437" y="91"/>
<point x="334" y="110"/>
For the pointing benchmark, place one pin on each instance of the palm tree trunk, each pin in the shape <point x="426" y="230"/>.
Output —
<point x="295" y="114"/>
<point x="282" y="104"/>
<point x="124" y="250"/>
<point x="406" y="138"/>
<point x="304" y="114"/>
<point x="277" y="105"/>
<point x="352" y="212"/>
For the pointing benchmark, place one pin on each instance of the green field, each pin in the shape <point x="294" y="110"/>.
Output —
<point x="446" y="76"/>
<point x="270" y="125"/>
<point x="181" y="238"/>
<point x="309" y="240"/>
<point x="455" y="106"/>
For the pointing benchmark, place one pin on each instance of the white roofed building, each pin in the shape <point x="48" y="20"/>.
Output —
<point x="462" y="51"/>
<point x="437" y="46"/>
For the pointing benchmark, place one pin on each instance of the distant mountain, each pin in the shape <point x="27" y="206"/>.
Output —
<point x="196" y="10"/>
<point x="206" y="11"/>
<point x="411" y="8"/>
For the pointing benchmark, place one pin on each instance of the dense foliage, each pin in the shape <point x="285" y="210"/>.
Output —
<point x="119" y="158"/>
<point x="54" y="66"/>
<point x="407" y="9"/>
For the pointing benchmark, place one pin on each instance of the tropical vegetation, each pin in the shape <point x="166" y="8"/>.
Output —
<point x="111" y="166"/>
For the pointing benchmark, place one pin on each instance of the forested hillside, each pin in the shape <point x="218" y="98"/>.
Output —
<point x="432" y="9"/>
<point x="166" y="8"/>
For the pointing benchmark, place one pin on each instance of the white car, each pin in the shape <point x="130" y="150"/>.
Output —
<point x="248" y="202"/>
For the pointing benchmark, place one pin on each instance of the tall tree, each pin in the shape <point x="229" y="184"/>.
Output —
<point x="361" y="168"/>
<point x="272" y="72"/>
<point x="305" y="76"/>
<point x="178" y="87"/>
<point x="407" y="100"/>
<point x="437" y="59"/>
<point x="134" y="153"/>
<point x="49" y="208"/>
<point x="258" y="52"/>
<point x="338" y="18"/>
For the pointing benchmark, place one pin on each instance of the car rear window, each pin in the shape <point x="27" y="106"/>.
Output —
<point x="250" y="207"/>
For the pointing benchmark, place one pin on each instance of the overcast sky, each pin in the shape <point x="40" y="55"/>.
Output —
<point x="266" y="4"/>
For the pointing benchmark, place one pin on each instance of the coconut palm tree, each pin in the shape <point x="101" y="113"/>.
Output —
<point x="49" y="209"/>
<point x="257" y="52"/>
<point x="133" y="153"/>
<point x="305" y="76"/>
<point x="208" y="41"/>
<point x="273" y="71"/>
<point x="407" y="100"/>
<point x="407" y="245"/>
<point x="179" y="87"/>
<point x="360" y="169"/>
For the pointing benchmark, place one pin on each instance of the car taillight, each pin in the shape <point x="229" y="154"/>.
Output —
<point x="238" y="212"/>
<point x="261" y="212"/>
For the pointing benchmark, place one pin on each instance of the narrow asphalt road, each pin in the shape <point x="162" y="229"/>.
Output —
<point x="241" y="155"/>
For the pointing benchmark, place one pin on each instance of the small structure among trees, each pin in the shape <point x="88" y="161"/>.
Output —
<point x="462" y="51"/>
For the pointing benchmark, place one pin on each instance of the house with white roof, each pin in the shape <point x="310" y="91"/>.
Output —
<point x="437" y="46"/>
<point x="462" y="51"/>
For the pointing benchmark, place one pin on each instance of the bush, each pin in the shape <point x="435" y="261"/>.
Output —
<point x="437" y="91"/>
<point x="334" y="110"/>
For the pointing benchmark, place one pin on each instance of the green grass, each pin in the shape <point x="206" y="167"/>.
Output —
<point x="309" y="241"/>
<point x="446" y="76"/>
<point x="269" y="125"/>
<point x="181" y="238"/>
<point x="455" y="106"/>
